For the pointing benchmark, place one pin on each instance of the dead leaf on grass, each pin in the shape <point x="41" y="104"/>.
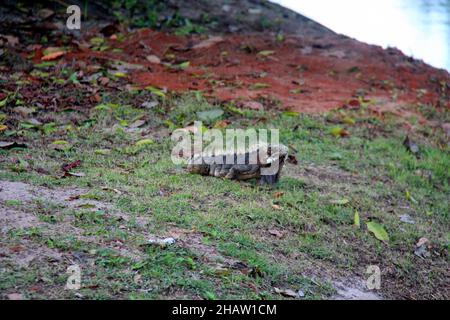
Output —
<point x="340" y="202"/>
<point x="9" y="145"/>
<point x="205" y="44"/>
<point x="153" y="59"/>
<point x="286" y="292"/>
<point x="53" y="56"/>
<point x="74" y="174"/>
<point x="70" y="166"/>
<point x="112" y="189"/>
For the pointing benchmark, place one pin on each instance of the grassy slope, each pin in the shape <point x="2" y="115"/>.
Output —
<point x="371" y="168"/>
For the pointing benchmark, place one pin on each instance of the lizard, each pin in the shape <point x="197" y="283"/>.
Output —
<point x="265" y="169"/>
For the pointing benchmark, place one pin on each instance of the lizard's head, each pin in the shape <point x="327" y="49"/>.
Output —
<point x="277" y="155"/>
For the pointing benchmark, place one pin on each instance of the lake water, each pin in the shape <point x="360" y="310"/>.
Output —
<point x="420" y="28"/>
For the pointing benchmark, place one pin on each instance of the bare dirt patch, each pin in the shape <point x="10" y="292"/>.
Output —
<point x="303" y="73"/>
<point x="23" y="216"/>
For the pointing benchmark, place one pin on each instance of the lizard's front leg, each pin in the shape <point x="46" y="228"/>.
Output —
<point x="236" y="170"/>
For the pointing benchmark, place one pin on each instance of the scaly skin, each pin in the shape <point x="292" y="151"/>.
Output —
<point x="244" y="171"/>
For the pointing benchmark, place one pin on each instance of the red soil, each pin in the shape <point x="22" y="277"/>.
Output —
<point x="304" y="74"/>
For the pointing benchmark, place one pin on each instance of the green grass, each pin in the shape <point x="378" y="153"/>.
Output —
<point x="371" y="168"/>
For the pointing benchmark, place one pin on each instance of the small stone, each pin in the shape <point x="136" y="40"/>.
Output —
<point x="300" y="293"/>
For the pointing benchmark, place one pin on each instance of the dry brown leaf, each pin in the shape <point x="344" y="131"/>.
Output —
<point x="53" y="56"/>
<point x="208" y="43"/>
<point x="286" y="292"/>
<point x="153" y="59"/>
<point x="112" y="189"/>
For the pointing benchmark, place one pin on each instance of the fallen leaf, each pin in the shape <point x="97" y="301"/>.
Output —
<point x="339" y="132"/>
<point x="60" y="145"/>
<point x="75" y="174"/>
<point x="103" y="152"/>
<point x="222" y="271"/>
<point x="349" y="121"/>
<point x="356" y="220"/>
<point x="354" y="104"/>
<point x="3" y="127"/>
<point x="3" y="102"/>
<point x="266" y="53"/>
<point x="278" y="194"/>
<point x="45" y="13"/>
<point x="410" y="197"/>
<point x="277" y="207"/>
<point x="120" y="74"/>
<point x="291" y="114"/>
<point x="9" y="145"/>
<point x="153" y="59"/>
<point x="182" y="65"/>
<point x="87" y="206"/>
<point x="340" y="202"/>
<point x="53" y="56"/>
<point x="144" y="142"/>
<point x="70" y="166"/>
<point x="112" y="189"/>
<point x="137" y="124"/>
<point x="208" y="42"/>
<point x="378" y="231"/>
<point x="156" y="91"/>
<point x="286" y="292"/>
<point x="259" y="86"/>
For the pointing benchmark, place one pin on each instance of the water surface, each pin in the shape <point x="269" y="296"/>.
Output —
<point x="420" y="28"/>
